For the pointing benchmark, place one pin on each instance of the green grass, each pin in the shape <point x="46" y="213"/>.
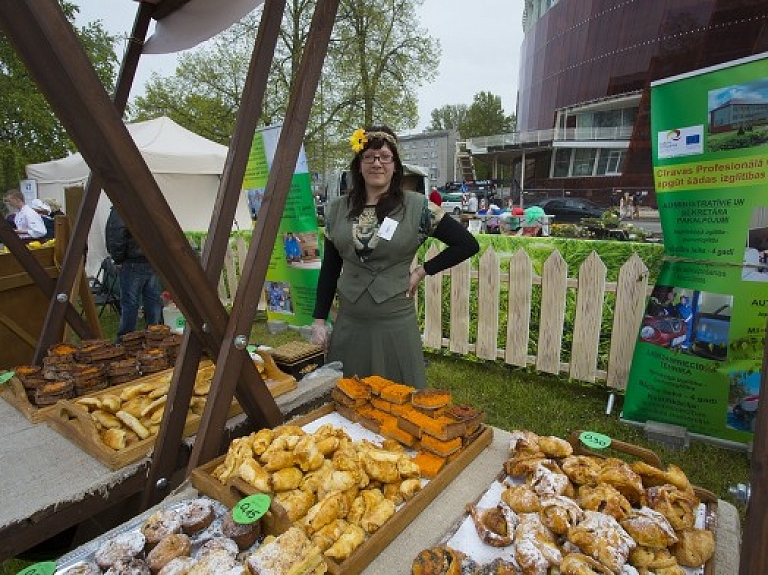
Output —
<point x="516" y="398"/>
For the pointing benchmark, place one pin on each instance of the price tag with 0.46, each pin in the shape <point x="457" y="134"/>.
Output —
<point x="251" y="508"/>
<point x="595" y="440"/>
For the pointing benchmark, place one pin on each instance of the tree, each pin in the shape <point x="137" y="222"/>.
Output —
<point x="485" y="117"/>
<point x="29" y="130"/>
<point x="449" y="117"/>
<point x="376" y="61"/>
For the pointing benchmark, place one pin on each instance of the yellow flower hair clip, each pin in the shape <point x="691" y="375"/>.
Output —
<point x="358" y="140"/>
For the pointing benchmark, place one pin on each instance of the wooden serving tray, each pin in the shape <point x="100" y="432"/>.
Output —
<point x="13" y="392"/>
<point x="203" y="480"/>
<point x="77" y="425"/>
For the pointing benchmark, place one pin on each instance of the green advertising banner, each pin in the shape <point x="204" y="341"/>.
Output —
<point x="294" y="267"/>
<point x="698" y="356"/>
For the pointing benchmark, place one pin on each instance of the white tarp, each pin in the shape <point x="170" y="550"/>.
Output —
<point x="187" y="168"/>
<point x="195" y="22"/>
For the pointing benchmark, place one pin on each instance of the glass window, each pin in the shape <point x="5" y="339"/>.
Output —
<point x="584" y="161"/>
<point x="562" y="163"/>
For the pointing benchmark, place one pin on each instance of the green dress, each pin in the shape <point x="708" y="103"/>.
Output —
<point x="376" y="330"/>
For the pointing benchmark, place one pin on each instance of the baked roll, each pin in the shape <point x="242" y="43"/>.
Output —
<point x="602" y="537"/>
<point x="581" y="469"/>
<point x="521" y="498"/>
<point x="437" y="561"/>
<point x="494" y="525"/>
<point x="604" y="498"/>
<point x="560" y="513"/>
<point x="649" y="528"/>
<point x="619" y="474"/>
<point x="678" y="506"/>
<point x="694" y="547"/>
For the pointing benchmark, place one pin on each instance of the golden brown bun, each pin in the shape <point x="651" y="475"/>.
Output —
<point x="437" y="561"/>
<point x="694" y="547"/>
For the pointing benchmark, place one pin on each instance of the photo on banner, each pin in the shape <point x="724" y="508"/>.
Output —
<point x="698" y="356"/>
<point x="289" y="289"/>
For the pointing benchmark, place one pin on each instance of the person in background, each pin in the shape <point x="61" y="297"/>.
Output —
<point x="472" y="203"/>
<point x="435" y="197"/>
<point x="55" y="206"/>
<point x="29" y="224"/>
<point x="374" y="232"/>
<point x="45" y="212"/>
<point x="138" y="281"/>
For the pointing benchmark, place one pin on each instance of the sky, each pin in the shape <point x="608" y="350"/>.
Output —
<point x="480" y="42"/>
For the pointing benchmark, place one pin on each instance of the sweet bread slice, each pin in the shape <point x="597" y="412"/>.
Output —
<point x="431" y="398"/>
<point x="440" y="447"/>
<point x="376" y="383"/>
<point x="397" y="393"/>
<point x="353" y="388"/>
<point x="429" y="463"/>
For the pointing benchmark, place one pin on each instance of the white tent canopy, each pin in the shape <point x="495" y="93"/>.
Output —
<point x="187" y="168"/>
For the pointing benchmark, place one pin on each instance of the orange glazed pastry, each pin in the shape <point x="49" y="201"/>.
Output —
<point x="440" y="447"/>
<point x="397" y="393"/>
<point x="394" y="432"/>
<point x="377" y="383"/>
<point x="429" y="463"/>
<point x="431" y="398"/>
<point x="352" y="388"/>
<point x="381" y="404"/>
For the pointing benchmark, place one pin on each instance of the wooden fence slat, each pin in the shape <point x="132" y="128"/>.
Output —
<point x="589" y="316"/>
<point x="628" y="315"/>
<point x="489" y="283"/>
<point x="554" y="283"/>
<point x="460" y="284"/>
<point x="519" y="308"/>
<point x="433" y="306"/>
<point x="231" y="272"/>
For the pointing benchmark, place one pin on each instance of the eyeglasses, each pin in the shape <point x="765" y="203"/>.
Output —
<point x="383" y="158"/>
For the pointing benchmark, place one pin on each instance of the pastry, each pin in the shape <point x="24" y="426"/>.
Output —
<point x="580" y="564"/>
<point x="431" y="398"/>
<point x="129" y="567"/>
<point x="353" y="388"/>
<point x="218" y="543"/>
<point x="170" y="547"/>
<point x="352" y="537"/>
<point x="329" y="534"/>
<point x="215" y="562"/>
<point x="678" y="506"/>
<point x="604" y="498"/>
<point x="494" y="525"/>
<point x="619" y="474"/>
<point x="523" y="442"/>
<point x="124" y="546"/>
<point x="287" y="479"/>
<point x="429" y="464"/>
<point x="244" y="534"/>
<point x="397" y="393"/>
<point x="196" y="515"/>
<point x="291" y="552"/>
<point x="547" y="479"/>
<point x="178" y="566"/>
<point x="649" y="528"/>
<point x="521" y="498"/>
<point x="441" y="447"/>
<point x="535" y="546"/>
<point x="376" y="516"/>
<point x="375" y="383"/>
<point x="601" y="537"/>
<point x="307" y="454"/>
<point x="295" y="502"/>
<point x="159" y="525"/>
<point x="694" y="547"/>
<point x="559" y="513"/>
<point x="438" y="561"/>
<point x="552" y="446"/>
<point x="581" y="469"/>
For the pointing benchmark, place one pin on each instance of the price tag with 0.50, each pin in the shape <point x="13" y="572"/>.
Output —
<point x="595" y="440"/>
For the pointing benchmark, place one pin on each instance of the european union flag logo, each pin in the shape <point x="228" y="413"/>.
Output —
<point x="694" y="139"/>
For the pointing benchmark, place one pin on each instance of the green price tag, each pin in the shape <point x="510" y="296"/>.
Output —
<point x="6" y="377"/>
<point x="595" y="440"/>
<point x="251" y="509"/>
<point x="250" y="348"/>
<point x="45" y="568"/>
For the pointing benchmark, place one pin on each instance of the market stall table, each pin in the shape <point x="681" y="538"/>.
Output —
<point x="50" y="484"/>
<point x="439" y="519"/>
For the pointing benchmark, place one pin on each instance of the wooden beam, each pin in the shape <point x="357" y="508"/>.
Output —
<point x="47" y="44"/>
<point x="230" y="188"/>
<point x="72" y="260"/>
<point x="230" y="360"/>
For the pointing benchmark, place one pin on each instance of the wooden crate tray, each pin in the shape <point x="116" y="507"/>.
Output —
<point x="203" y="480"/>
<point x="13" y="391"/>
<point x="463" y="536"/>
<point x="76" y="424"/>
<point x="295" y="351"/>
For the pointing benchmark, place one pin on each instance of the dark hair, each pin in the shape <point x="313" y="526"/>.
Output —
<point x="393" y="200"/>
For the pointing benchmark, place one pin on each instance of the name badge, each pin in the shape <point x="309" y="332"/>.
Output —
<point x="387" y="228"/>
